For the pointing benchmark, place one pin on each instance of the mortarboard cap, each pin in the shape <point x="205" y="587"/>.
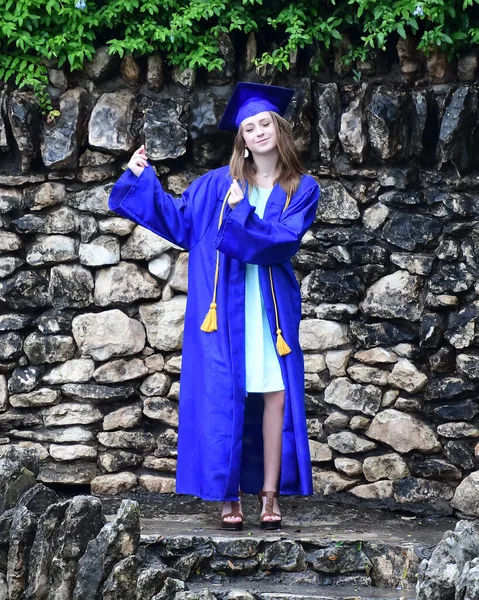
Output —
<point x="249" y="99"/>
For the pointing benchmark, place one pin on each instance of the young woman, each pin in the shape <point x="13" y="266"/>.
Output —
<point x="242" y="422"/>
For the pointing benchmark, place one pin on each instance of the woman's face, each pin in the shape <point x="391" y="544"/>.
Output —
<point x="259" y="133"/>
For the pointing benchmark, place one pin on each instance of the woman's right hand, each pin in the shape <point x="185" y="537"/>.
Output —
<point x="138" y="161"/>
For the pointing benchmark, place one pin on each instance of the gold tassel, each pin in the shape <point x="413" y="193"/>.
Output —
<point x="211" y="321"/>
<point x="281" y="346"/>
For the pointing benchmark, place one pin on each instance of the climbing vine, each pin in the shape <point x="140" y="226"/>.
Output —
<point x="35" y="33"/>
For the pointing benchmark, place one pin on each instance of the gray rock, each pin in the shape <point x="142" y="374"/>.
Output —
<point x="161" y="409"/>
<point x="368" y="375"/>
<point x="71" y="286"/>
<point x="155" y="75"/>
<point x="438" y="576"/>
<point x="407" y="377"/>
<point x="103" y="250"/>
<point x="24" y="117"/>
<point x="455" y="141"/>
<point x="165" y="133"/>
<point x="120" y="370"/>
<point x="76" y="370"/>
<point x="11" y="200"/>
<point x="434" y="468"/>
<point x="105" y="485"/>
<point x="130" y="440"/>
<point x="465" y="495"/>
<point x="15" y="321"/>
<point x="106" y="334"/>
<point x="337" y="205"/>
<point x="344" y="558"/>
<point x="327" y="105"/>
<point x="55" y="321"/>
<point x="385" y="466"/>
<point x="71" y="413"/>
<point x="157" y="384"/>
<point x="460" y="454"/>
<point x="170" y="589"/>
<point x="116" y="540"/>
<point x="411" y="231"/>
<point x="82" y="523"/>
<point x="116" y="225"/>
<point x="458" y="430"/>
<point x="9" y="242"/>
<point x="179" y="276"/>
<point x="164" y="322"/>
<point x="102" y="64"/>
<point x="330" y="482"/>
<point x="62" y="139"/>
<point x="109" y="128"/>
<point x="122" y="418"/>
<point x="68" y="473"/>
<point x="350" y="396"/>
<point x="63" y="452"/>
<point x="348" y="466"/>
<point x="25" y="289"/>
<point x="319" y="334"/>
<point x="96" y="393"/>
<point x="58" y="435"/>
<point x="125" y="282"/>
<point x="18" y="468"/>
<point x="92" y="199"/>
<point x="46" y="195"/>
<point x="43" y="550"/>
<point x="353" y="132"/>
<point x="388" y="116"/>
<point x="10" y="346"/>
<point x="9" y="264"/>
<point x="284" y="555"/>
<point x="22" y="533"/>
<point x="323" y="285"/>
<point x="122" y="580"/>
<point x="208" y="147"/>
<point x="40" y="397"/>
<point x="395" y="296"/>
<point x="42" y="349"/>
<point x="347" y="442"/>
<point x="37" y="499"/>
<point x="120" y="461"/>
<point x="143" y="244"/>
<point x="417" y="264"/>
<point x="47" y="249"/>
<point x="411" y="490"/>
<point x="403" y="432"/>
<point x="17" y="418"/>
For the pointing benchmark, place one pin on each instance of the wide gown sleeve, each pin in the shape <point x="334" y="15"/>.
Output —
<point x="246" y="237"/>
<point x="182" y="221"/>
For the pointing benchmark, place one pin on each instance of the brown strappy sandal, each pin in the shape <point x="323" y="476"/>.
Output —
<point x="270" y="496"/>
<point x="235" y="512"/>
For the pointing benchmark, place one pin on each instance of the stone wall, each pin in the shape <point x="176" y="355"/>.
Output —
<point x="91" y="306"/>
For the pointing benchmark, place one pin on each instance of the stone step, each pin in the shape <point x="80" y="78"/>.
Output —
<point x="268" y="591"/>
<point x="321" y="544"/>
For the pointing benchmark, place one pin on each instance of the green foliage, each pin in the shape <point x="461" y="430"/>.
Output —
<point x="36" y="33"/>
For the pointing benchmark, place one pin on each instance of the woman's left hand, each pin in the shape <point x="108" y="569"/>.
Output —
<point x="236" y="194"/>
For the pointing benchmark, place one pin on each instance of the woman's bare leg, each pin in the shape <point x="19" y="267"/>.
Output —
<point x="273" y="417"/>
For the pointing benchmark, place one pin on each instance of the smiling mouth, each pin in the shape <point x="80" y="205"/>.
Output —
<point x="261" y="141"/>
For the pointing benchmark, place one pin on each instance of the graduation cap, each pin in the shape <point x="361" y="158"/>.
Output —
<point x="250" y="99"/>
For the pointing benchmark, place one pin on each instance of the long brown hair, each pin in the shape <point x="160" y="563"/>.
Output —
<point x="290" y="164"/>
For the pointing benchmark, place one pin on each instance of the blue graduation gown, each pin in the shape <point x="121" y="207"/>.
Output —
<point x="219" y="434"/>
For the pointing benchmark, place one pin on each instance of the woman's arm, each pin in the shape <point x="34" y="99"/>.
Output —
<point x="181" y="221"/>
<point x="246" y="237"/>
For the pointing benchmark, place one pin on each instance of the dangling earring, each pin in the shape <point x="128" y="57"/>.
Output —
<point x="246" y="152"/>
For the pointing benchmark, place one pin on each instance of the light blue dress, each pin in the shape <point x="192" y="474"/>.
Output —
<point x="263" y="372"/>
